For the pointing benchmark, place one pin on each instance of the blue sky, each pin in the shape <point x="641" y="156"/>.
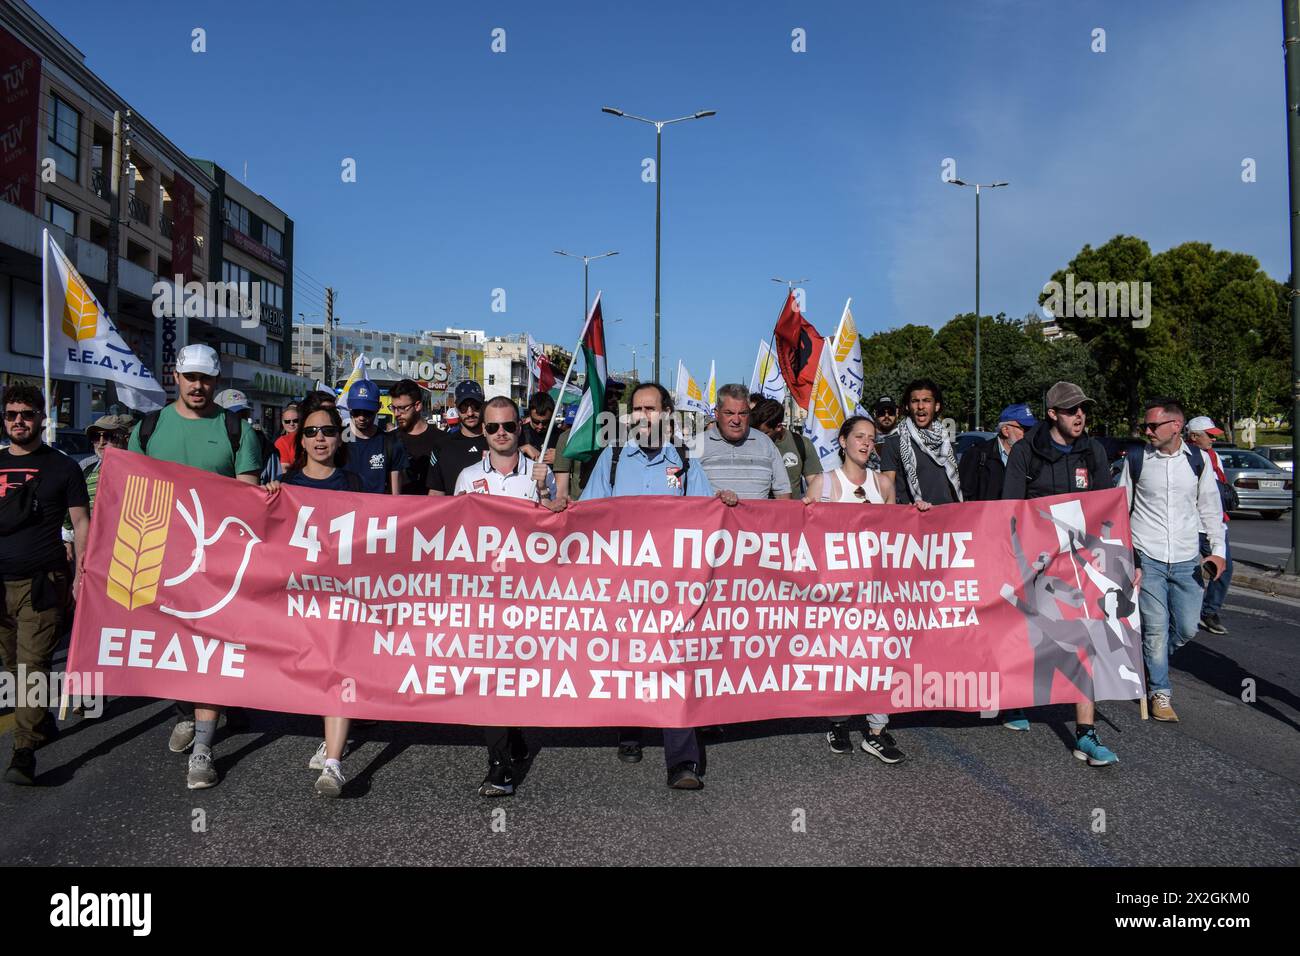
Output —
<point x="473" y="166"/>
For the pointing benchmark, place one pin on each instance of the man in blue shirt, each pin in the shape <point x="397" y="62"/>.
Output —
<point x="378" y="457"/>
<point x="650" y="464"/>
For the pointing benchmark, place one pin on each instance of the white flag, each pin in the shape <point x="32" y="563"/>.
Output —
<point x="767" y="374"/>
<point x="359" y="374"/>
<point x="712" y="393"/>
<point x="825" y="412"/>
<point x="689" y="398"/>
<point x="82" y="341"/>
<point x="848" y="359"/>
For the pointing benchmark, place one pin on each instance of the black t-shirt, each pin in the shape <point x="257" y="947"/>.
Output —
<point x="338" y="481"/>
<point x="931" y="475"/>
<point x="418" y="449"/>
<point x="453" y="455"/>
<point x="38" y="544"/>
<point x="528" y="435"/>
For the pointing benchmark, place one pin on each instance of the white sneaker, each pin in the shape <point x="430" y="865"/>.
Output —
<point x="331" y="780"/>
<point x="317" y="761"/>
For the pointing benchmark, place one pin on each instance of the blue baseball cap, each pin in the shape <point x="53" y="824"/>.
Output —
<point x="363" y="396"/>
<point x="469" y="389"/>
<point x="1020" y="414"/>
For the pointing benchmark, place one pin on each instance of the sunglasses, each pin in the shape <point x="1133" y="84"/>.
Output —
<point x="288" y="422"/>
<point x="26" y="414"/>
<point x="1152" y="426"/>
<point x="1071" y="411"/>
<point x="510" y="427"/>
<point x="105" y="437"/>
<point x="329" y="431"/>
<point x="860" y="493"/>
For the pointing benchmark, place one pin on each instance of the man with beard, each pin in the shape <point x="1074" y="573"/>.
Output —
<point x="917" y="456"/>
<point x="38" y="485"/>
<point x="455" y="452"/>
<point x="650" y="463"/>
<point x="419" y="438"/>
<point x="1056" y="458"/>
<point x="885" y="414"/>
<point x="194" y="430"/>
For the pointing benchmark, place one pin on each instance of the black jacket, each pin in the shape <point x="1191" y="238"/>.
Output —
<point x="981" y="471"/>
<point x="1037" y="468"/>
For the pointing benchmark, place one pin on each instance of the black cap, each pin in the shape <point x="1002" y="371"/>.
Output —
<point x="469" y="389"/>
<point x="885" y="401"/>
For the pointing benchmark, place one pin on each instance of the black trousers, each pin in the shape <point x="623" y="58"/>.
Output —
<point x="499" y="742"/>
<point x="681" y="745"/>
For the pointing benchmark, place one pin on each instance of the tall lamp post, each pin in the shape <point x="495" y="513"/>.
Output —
<point x="659" y="131"/>
<point x="586" y="262"/>
<point x="978" y="187"/>
<point x="1290" y="39"/>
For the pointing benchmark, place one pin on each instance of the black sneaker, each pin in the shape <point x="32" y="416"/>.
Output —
<point x="1211" y="623"/>
<point x="499" y="782"/>
<point x="838" y="738"/>
<point x="22" y="768"/>
<point x="685" y="776"/>
<point x="629" y="751"/>
<point x="882" y="745"/>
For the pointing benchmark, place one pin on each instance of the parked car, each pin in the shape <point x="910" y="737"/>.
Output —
<point x="1260" y="484"/>
<point x="966" y="439"/>
<point x="1279" y="455"/>
<point x="74" y="444"/>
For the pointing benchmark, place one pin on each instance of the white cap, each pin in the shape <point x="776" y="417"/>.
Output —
<point x="1203" y="423"/>
<point x="233" y="400"/>
<point x="198" y="358"/>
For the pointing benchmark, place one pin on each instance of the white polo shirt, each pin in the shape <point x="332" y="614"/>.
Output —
<point x="482" y="479"/>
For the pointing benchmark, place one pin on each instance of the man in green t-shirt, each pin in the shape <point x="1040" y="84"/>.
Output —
<point x="193" y="431"/>
<point x="797" y="453"/>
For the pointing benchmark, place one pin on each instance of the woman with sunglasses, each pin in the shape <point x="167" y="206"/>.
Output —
<point x="318" y="462"/>
<point x="853" y="482"/>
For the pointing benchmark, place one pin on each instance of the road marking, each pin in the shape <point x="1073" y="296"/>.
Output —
<point x="1266" y="548"/>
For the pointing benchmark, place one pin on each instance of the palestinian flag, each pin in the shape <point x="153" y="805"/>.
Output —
<point x="583" y="444"/>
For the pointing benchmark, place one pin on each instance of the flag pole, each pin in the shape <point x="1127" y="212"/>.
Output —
<point x="564" y="388"/>
<point x="52" y="417"/>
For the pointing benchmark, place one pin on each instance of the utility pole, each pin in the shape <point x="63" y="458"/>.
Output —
<point x="329" y="334"/>
<point x="115" y="206"/>
<point x="1290" y="37"/>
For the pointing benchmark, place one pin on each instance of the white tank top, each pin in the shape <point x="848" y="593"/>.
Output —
<point x="846" y="489"/>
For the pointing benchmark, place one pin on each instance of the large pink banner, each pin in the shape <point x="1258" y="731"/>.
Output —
<point x="625" y="612"/>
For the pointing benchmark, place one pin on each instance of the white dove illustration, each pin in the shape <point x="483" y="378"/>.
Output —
<point x="197" y="524"/>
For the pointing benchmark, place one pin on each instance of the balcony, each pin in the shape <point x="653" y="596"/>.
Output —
<point x="97" y="184"/>
<point x="164" y="225"/>
<point x="139" y="209"/>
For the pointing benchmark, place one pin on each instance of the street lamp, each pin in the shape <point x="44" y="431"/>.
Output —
<point x="586" y="261"/>
<point x="640" y="345"/>
<point x="659" y="130"/>
<point x="978" y="187"/>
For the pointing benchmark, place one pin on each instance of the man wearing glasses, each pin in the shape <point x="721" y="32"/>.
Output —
<point x="419" y="438"/>
<point x="1056" y="457"/>
<point x="456" y="452"/>
<point x="290" y="420"/>
<point x="106" y="431"/>
<point x="984" y="465"/>
<point x="1172" y="496"/>
<point x="38" y="485"/>
<point x="378" y="458"/>
<point x="506" y="471"/>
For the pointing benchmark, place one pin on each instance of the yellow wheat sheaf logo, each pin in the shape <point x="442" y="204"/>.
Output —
<point x="693" y="390"/>
<point x="848" y="335"/>
<point x="141" y="539"/>
<point x="826" y="407"/>
<point x="80" y="312"/>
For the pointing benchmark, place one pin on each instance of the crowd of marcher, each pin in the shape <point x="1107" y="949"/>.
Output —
<point x="900" y="454"/>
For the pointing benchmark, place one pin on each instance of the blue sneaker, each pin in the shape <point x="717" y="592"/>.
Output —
<point x="1089" y="748"/>
<point x="1015" y="720"/>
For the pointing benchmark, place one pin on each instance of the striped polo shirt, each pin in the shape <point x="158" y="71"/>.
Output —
<point x="751" y="469"/>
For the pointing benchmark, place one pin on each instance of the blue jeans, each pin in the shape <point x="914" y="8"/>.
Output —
<point x="1170" y="603"/>
<point x="1217" y="590"/>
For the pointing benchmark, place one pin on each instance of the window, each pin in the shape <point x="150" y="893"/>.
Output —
<point x="65" y="126"/>
<point x="272" y="294"/>
<point x="272" y="352"/>
<point x="61" y="216"/>
<point x="233" y="273"/>
<point x="236" y="215"/>
<point x="273" y="239"/>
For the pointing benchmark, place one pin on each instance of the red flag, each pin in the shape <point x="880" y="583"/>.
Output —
<point x="798" y="349"/>
<point x="543" y="372"/>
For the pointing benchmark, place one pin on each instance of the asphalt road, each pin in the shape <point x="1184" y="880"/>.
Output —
<point x="1265" y="542"/>
<point x="1221" y="787"/>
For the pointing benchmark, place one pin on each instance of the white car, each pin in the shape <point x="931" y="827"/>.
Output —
<point x="1280" y="455"/>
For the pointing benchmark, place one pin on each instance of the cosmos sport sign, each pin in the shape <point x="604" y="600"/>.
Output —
<point x="677" y="612"/>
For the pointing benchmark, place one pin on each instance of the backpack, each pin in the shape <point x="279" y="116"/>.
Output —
<point x="149" y="424"/>
<point x="1227" y="494"/>
<point x="20" y="506"/>
<point x="617" y="450"/>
